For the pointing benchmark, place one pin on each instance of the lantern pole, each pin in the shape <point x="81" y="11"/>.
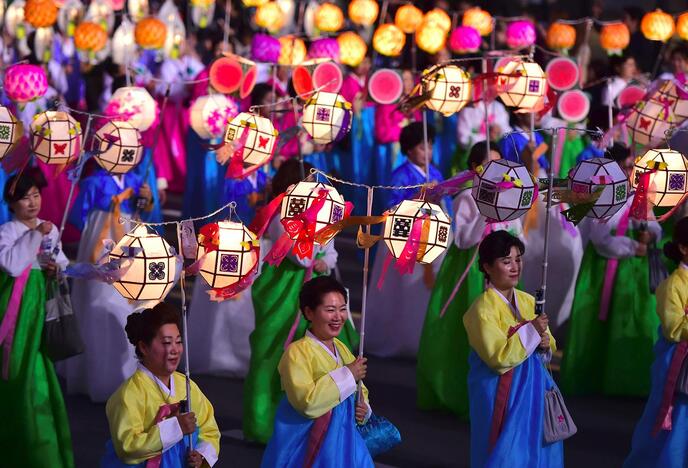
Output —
<point x="610" y="112"/>
<point x="487" y="109"/>
<point x="425" y="144"/>
<point x="228" y="14"/>
<point x="364" y="298"/>
<point x="185" y="328"/>
<point x="541" y="293"/>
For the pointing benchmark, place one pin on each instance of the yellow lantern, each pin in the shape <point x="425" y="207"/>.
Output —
<point x="561" y="36"/>
<point x="292" y="50"/>
<point x="389" y="40"/>
<point x="408" y="18"/>
<point x="682" y="26"/>
<point x="270" y="16"/>
<point x="329" y="18"/>
<point x="526" y="90"/>
<point x="352" y="49"/>
<point x="668" y="181"/>
<point x="254" y="3"/>
<point x="478" y="19"/>
<point x="431" y="37"/>
<point x="363" y="12"/>
<point x="657" y="26"/>
<point x="449" y="88"/>
<point x="440" y="17"/>
<point x="615" y="37"/>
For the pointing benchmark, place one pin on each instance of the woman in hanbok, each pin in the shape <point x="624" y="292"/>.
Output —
<point x="35" y="428"/>
<point x="442" y="370"/>
<point x="316" y="419"/>
<point x="613" y="326"/>
<point x="102" y="311"/>
<point x="150" y="423"/>
<point x="4" y="207"/>
<point x="661" y="437"/>
<point x="277" y="319"/>
<point x="507" y="380"/>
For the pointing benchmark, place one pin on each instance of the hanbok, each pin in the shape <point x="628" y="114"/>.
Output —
<point x="248" y="193"/>
<point x="471" y="128"/>
<point x="205" y="178"/>
<point x="4" y="207"/>
<point x="445" y="143"/>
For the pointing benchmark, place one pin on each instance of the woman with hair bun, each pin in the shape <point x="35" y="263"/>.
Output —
<point x="147" y="414"/>
<point x="661" y="437"/>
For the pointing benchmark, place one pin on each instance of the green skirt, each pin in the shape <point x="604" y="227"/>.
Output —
<point x="611" y="357"/>
<point x="275" y="296"/>
<point x="35" y="429"/>
<point x="442" y="370"/>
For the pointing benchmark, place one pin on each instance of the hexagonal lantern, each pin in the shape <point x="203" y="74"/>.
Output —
<point x="55" y="137"/>
<point x="327" y="117"/>
<point x="504" y="190"/>
<point x="119" y="146"/>
<point x="523" y="91"/>
<point x="301" y="196"/>
<point x="668" y="182"/>
<point x="588" y="176"/>
<point x="260" y="141"/>
<point x="449" y="87"/>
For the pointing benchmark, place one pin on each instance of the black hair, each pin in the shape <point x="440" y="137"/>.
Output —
<point x="680" y="49"/>
<point x="634" y="12"/>
<point x="617" y="61"/>
<point x="478" y="153"/>
<point x="497" y="245"/>
<point x="680" y="237"/>
<point x="143" y="326"/>
<point x="259" y="92"/>
<point x="19" y="185"/>
<point x="412" y="135"/>
<point x="313" y="291"/>
<point x="289" y="173"/>
<point x="619" y="152"/>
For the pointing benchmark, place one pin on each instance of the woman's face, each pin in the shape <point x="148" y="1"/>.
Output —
<point x="505" y="272"/>
<point x="27" y="208"/>
<point x="679" y="63"/>
<point x="409" y="82"/>
<point x="327" y="320"/>
<point x="163" y="353"/>
<point x="628" y="69"/>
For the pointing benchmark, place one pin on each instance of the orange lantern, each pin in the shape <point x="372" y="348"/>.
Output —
<point x="40" y="13"/>
<point x="292" y="50"/>
<point x="440" y="17"/>
<point x="389" y="40"/>
<point x="478" y="19"/>
<point x="150" y="33"/>
<point x="90" y="37"/>
<point x="329" y="18"/>
<point x="657" y="26"/>
<point x="352" y="49"/>
<point x="254" y="3"/>
<point x="363" y="12"/>
<point x="614" y="37"/>
<point x="431" y="37"/>
<point x="408" y="18"/>
<point x="561" y="36"/>
<point x="682" y="26"/>
<point x="270" y="16"/>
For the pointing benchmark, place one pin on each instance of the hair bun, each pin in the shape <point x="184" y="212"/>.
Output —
<point x="133" y="327"/>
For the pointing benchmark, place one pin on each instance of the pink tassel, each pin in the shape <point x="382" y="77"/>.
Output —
<point x="407" y="260"/>
<point x="9" y="322"/>
<point x="561" y="141"/>
<point x="610" y="272"/>
<point x="279" y="250"/>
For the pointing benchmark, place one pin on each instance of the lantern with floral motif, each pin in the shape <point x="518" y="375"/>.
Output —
<point x="352" y="48"/>
<point x="503" y="190"/>
<point x="408" y="18"/>
<point x="594" y="174"/>
<point x="298" y="198"/>
<point x="657" y="26"/>
<point x="209" y="115"/>
<point x="614" y="38"/>
<point x="135" y="105"/>
<point x="652" y="117"/>
<point x="329" y="17"/>
<point x="431" y="37"/>
<point x="40" y="13"/>
<point x="668" y="181"/>
<point x="448" y="86"/>
<point x="522" y="85"/>
<point x="256" y="134"/>
<point x="478" y="19"/>
<point x="363" y="12"/>
<point x="10" y="131"/>
<point x="118" y="147"/>
<point x="25" y="82"/>
<point x="520" y="34"/>
<point x="561" y="36"/>
<point x="292" y="50"/>
<point x="233" y="258"/>
<point x="464" y="40"/>
<point x="55" y="137"/>
<point x="327" y="117"/>
<point x="270" y="17"/>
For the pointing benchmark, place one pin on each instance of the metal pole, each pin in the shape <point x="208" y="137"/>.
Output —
<point x="542" y="292"/>
<point x="364" y="298"/>
<point x="487" y="110"/>
<point x="185" y="328"/>
<point x="425" y="143"/>
<point x="610" y="112"/>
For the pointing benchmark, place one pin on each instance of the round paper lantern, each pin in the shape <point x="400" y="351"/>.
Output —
<point x="408" y="18"/>
<point x="327" y="75"/>
<point x="478" y="19"/>
<point x="524" y="91"/>
<point x="298" y="198"/>
<point x="352" y="49"/>
<point x="504" y="190"/>
<point x="69" y="15"/>
<point x="55" y="137"/>
<point x="270" y="16"/>
<point x="257" y="133"/>
<point x="399" y="223"/>
<point x="385" y="86"/>
<point x="10" y="131"/>
<point x="90" y="37"/>
<point x="668" y="179"/>
<point x="265" y="48"/>
<point x="561" y="36"/>
<point x="138" y="9"/>
<point x="325" y="47"/>
<point x="233" y="259"/>
<point x="682" y="26"/>
<point x="449" y="88"/>
<point x="657" y="26"/>
<point x="615" y="37"/>
<point x="150" y="262"/>
<point x="363" y="12"/>
<point x="520" y="34"/>
<point x="630" y="96"/>
<point x="652" y="117"/>
<point x="40" y="13"/>
<point x="14" y="19"/>
<point x="590" y="175"/>
<point x="119" y="147"/>
<point x="24" y="82"/>
<point x="329" y="17"/>
<point x="327" y="117"/>
<point x="210" y="114"/>
<point x="292" y="50"/>
<point x="573" y="105"/>
<point x="150" y="33"/>
<point x="123" y="43"/>
<point x="464" y="40"/>
<point x="562" y="73"/>
<point x="440" y="18"/>
<point x="100" y="12"/>
<point x="254" y="3"/>
<point x="135" y="105"/>
<point x="116" y="5"/>
<point x="389" y="40"/>
<point x="430" y="37"/>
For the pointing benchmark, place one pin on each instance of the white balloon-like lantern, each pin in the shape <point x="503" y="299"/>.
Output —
<point x="259" y="135"/>
<point x="118" y="146"/>
<point x="522" y="84"/>
<point x="503" y="190"/>
<point x="669" y="172"/>
<point x="327" y="117"/>
<point x="448" y="86"/>
<point x="123" y="43"/>
<point x="209" y="115"/>
<point x="55" y="137"/>
<point x="301" y="196"/>
<point x="590" y="175"/>
<point x="10" y="131"/>
<point x="134" y="105"/>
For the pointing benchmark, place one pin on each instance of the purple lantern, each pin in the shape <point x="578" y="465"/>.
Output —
<point x="324" y="48"/>
<point x="265" y="48"/>
<point x="464" y="40"/>
<point x="520" y="34"/>
<point x="25" y="82"/>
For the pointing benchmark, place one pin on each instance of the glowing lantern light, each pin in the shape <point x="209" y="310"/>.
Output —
<point x="561" y="36"/>
<point x="90" y="37"/>
<point x="682" y="26"/>
<point x="352" y="49"/>
<point x="150" y="33"/>
<point x="657" y="26"/>
<point x="329" y="17"/>
<point x="526" y="90"/>
<point x="590" y="175"/>
<point x="254" y="3"/>
<point x="449" y="88"/>
<point x="520" y="34"/>
<point x="440" y="18"/>
<point x="292" y="50"/>
<point x="669" y="173"/>
<point x="10" y="131"/>
<point x="614" y="38"/>
<point x="123" y="43"/>
<point x="135" y="105"/>
<point x="265" y="48"/>
<point x="389" y="40"/>
<point x="408" y="18"/>
<point x="478" y="19"/>
<point x="14" y="19"/>
<point x="325" y="47"/>
<point x="210" y="114"/>
<point x="118" y="147"/>
<point x="24" y="82"/>
<point x="327" y="117"/>
<point x="464" y="40"/>
<point x="55" y="137"/>
<point x="504" y="190"/>
<point x="363" y="12"/>
<point x="301" y="196"/>
<point x="431" y="37"/>
<point x="651" y="118"/>
<point x="69" y="16"/>
<point x="138" y="9"/>
<point x="232" y="260"/>
<point x="270" y="16"/>
<point x="40" y="13"/>
<point x="258" y="134"/>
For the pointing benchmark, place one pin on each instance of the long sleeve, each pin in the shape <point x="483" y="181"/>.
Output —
<point x="60" y="259"/>
<point x="330" y="255"/>
<point x="468" y="126"/>
<point x="608" y="245"/>
<point x="209" y="434"/>
<point x="16" y="254"/>
<point x="275" y="231"/>
<point x="82" y="205"/>
<point x="469" y="224"/>
<point x="672" y="304"/>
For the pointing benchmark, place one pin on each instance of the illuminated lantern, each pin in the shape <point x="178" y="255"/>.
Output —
<point x="408" y="18"/>
<point x="614" y="38"/>
<point x="440" y="18"/>
<point x="352" y="49"/>
<point x="55" y="137"/>
<point x="657" y="26"/>
<point x="327" y="117"/>
<point x="265" y="48"/>
<point x="430" y="37"/>
<point x="118" y="146"/>
<point x="123" y="44"/>
<point x="464" y="40"/>
<point x="478" y="19"/>
<point x="116" y="5"/>
<point x="175" y="29"/>
<point x="202" y="12"/>
<point x="40" y="13"/>
<point x="668" y="179"/>
<point x="652" y="117"/>
<point x="150" y="33"/>
<point x="399" y="224"/>
<point x="10" y="131"/>
<point x="24" y="82"/>
<point x="301" y="196"/>
<point x="524" y="91"/>
<point x="135" y="105"/>
<point x="561" y="36"/>
<point x="210" y="114"/>
<point x="14" y="19"/>
<point x="69" y="16"/>
<point x="233" y="259"/>
<point x="138" y="9"/>
<point x="258" y="134"/>
<point x="682" y="26"/>
<point x="449" y="88"/>
<point x="329" y="17"/>
<point x="151" y="265"/>
<point x="520" y="34"/>
<point x="363" y="12"/>
<point x="292" y="50"/>
<point x="590" y="175"/>
<point x="503" y="190"/>
<point x="325" y="47"/>
<point x="270" y="16"/>
<point x="90" y="37"/>
<point x="254" y="3"/>
<point x="389" y="40"/>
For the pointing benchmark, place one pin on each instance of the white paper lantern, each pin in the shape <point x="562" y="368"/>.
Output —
<point x="10" y="131"/>
<point x="260" y="139"/>
<point x="55" y="137"/>
<point x="209" y="115"/>
<point x="176" y="31"/>
<point x="449" y="88"/>
<point x="100" y="12"/>
<point x="302" y="195"/>
<point x="524" y="91"/>
<point x="327" y="117"/>
<point x="668" y="181"/>
<point x="69" y="15"/>
<point x="504" y="190"/>
<point x="589" y="175"/>
<point x="14" y="19"/>
<point x="134" y="105"/>
<point x="123" y="44"/>
<point x="151" y="272"/>
<point x="138" y="9"/>
<point x="400" y="221"/>
<point x="652" y="117"/>
<point x="234" y="258"/>
<point x="121" y="147"/>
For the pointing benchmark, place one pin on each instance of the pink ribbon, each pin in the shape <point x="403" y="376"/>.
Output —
<point x="610" y="271"/>
<point x="221" y="294"/>
<point x="9" y="322"/>
<point x="666" y="103"/>
<point x="163" y="412"/>
<point x="561" y="141"/>
<point x="663" y="421"/>
<point x="407" y="260"/>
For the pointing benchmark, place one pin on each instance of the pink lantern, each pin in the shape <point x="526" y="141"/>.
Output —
<point x="324" y="48"/>
<point x="25" y="82"/>
<point x="265" y="48"/>
<point x="520" y="34"/>
<point x="116" y="5"/>
<point x="464" y="40"/>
